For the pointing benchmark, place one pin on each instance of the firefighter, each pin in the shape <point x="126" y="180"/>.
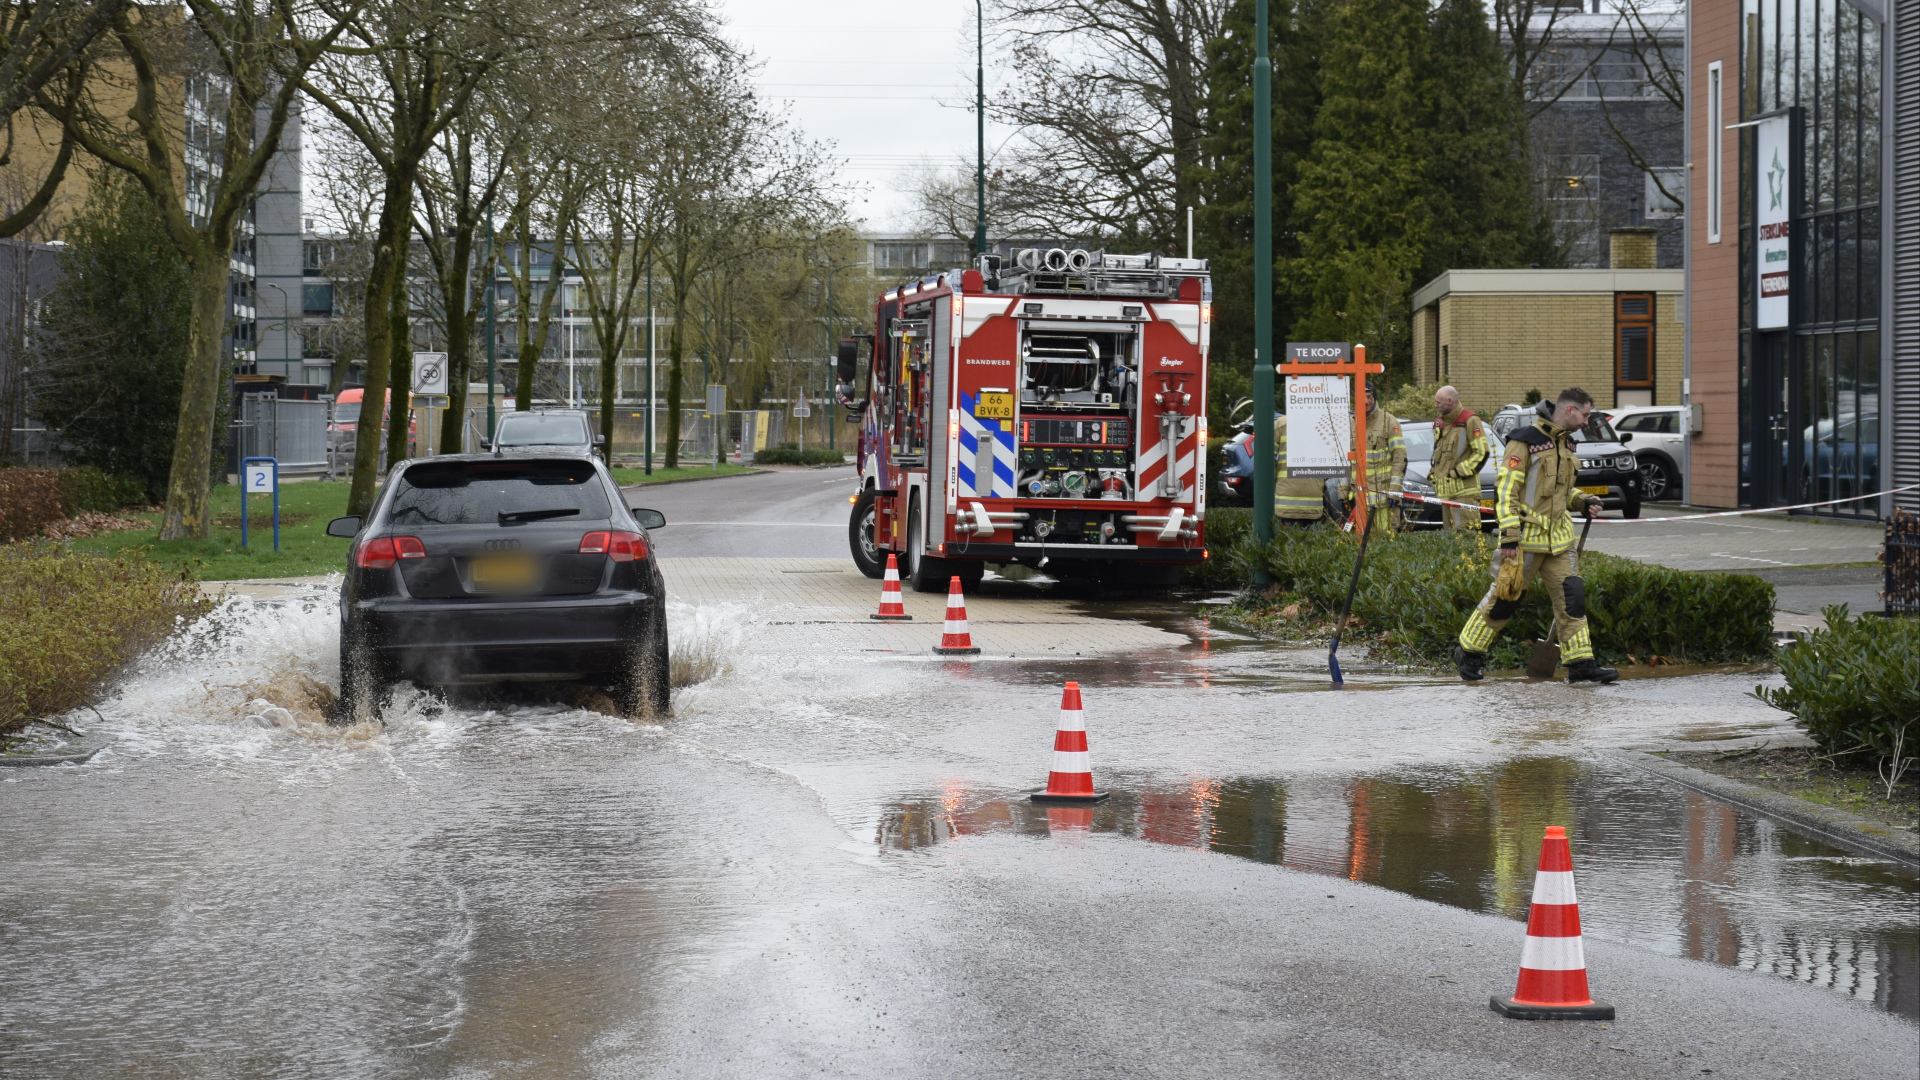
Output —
<point x="1534" y="498"/>
<point x="1300" y="502"/>
<point x="1459" y="451"/>
<point x="1386" y="461"/>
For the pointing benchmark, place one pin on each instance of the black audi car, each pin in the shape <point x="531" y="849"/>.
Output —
<point x="486" y="569"/>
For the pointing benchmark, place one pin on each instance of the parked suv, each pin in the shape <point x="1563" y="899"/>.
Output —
<point x="544" y="431"/>
<point x="1607" y="468"/>
<point x="1659" y="435"/>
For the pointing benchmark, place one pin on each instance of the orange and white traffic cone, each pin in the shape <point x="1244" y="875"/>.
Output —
<point x="1553" y="968"/>
<point x="954" y="639"/>
<point x="1071" y="778"/>
<point x="891" y="608"/>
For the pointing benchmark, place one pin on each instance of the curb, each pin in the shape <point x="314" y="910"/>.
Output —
<point x="691" y="479"/>
<point x="1834" y="826"/>
<point x="77" y="753"/>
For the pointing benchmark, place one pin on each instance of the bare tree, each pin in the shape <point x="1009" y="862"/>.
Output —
<point x="1647" y="38"/>
<point x="42" y="45"/>
<point x="256" y="57"/>
<point x="1113" y="94"/>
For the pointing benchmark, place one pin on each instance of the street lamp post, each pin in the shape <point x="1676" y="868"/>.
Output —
<point x="1262" y="285"/>
<point x="649" y="436"/>
<point x="833" y="348"/>
<point x="286" y="321"/>
<point x="493" y="332"/>
<point x="980" y="128"/>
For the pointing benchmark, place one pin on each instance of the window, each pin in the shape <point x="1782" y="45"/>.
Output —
<point x="1633" y="340"/>
<point x="1716" y="130"/>
<point x="1666" y="190"/>
<point x="316" y="299"/>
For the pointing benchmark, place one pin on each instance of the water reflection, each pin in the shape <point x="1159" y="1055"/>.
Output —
<point x="1668" y="870"/>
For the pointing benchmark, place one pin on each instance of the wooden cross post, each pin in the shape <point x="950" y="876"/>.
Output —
<point x="1357" y="370"/>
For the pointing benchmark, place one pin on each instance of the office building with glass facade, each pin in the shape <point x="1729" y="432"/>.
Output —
<point x="1803" y="264"/>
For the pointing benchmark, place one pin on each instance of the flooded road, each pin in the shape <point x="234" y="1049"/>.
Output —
<point x="824" y="864"/>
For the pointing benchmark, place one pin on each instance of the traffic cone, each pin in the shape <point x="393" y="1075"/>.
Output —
<point x="954" y="640"/>
<point x="891" y="609"/>
<point x="1071" y="778"/>
<point x="1553" y="969"/>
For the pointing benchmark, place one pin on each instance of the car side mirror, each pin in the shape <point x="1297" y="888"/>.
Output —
<point x="345" y="527"/>
<point x="649" y="519"/>
<point x="1626" y="437"/>
<point x="847" y="360"/>
<point x="599" y="440"/>
<point x="486" y="443"/>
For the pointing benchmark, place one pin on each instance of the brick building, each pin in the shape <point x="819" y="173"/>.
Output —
<point x="1497" y="334"/>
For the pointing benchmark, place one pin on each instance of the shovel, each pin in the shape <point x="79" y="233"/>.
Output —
<point x="1333" y="660"/>
<point x="1546" y="655"/>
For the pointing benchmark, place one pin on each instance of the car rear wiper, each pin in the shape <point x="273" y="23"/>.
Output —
<point x="536" y="515"/>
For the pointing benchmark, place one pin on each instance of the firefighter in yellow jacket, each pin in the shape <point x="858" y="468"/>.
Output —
<point x="1535" y="499"/>
<point x="1459" y="451"/>
<point x="1297" y="502"/>
<point x="1386" y="462"/>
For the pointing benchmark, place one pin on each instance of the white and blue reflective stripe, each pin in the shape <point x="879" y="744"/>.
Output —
<point x="985" y="448"/>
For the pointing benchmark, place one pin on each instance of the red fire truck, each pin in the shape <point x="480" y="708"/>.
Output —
<point x="1049" y="413"/>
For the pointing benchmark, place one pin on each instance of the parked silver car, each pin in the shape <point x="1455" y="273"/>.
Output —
<point x="544" y="431"/>
<point x="1659" y="437"/>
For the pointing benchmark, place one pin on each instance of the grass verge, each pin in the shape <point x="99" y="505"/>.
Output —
<point x="69" y="622"/>
<point x="305" y="547"/>
<point x="678" y="472"/>
<point x="1804" y="773"/>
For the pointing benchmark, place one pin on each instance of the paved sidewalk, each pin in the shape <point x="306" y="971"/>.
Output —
<point x="832" y="601"/>
<point x="1753" y="542"/>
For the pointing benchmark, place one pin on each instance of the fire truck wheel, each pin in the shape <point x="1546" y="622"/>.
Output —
<point x="925" y="573"/>
<point x="866" y="555"/>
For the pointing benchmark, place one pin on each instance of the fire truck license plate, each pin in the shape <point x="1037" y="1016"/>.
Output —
<point x="994" y="407"/>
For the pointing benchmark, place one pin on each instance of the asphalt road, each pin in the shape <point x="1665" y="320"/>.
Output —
<point x="824" y="864"/>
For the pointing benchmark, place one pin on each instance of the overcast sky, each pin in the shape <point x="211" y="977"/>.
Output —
<point x="887" y="85"/>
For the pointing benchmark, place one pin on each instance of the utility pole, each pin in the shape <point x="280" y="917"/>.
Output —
<point x="649" y="453"/>
<point x="980" y="127"/>
<point x="1262" y="285"/>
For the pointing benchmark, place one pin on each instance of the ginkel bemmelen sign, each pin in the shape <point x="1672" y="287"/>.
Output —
<point x="1319" y="412"/>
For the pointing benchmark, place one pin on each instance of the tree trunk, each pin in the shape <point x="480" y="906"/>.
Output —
<point x="379" y="344"/>
<point x="189" y="509"/>
<point x="673" y="390"/>
<point x="609" y="390"/>
<point x="400" y="371"/>
<point x="460" y="319"/>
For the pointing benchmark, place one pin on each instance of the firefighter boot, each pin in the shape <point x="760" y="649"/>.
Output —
<point x="1468" y="664"/>
<point x="1589" y="670"/>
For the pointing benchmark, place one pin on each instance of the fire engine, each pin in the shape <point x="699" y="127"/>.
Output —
<point x="1049" y="412"/>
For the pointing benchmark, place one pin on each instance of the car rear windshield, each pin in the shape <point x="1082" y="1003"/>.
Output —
<point x="542" y="431"/>
<point x="479" y="492"/>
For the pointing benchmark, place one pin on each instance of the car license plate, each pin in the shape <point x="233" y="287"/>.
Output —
<point x="1486" y="504"/>
<point x="994" y="407"/>
<point x="506" y="572"/>
<point x="1594" y="489"/>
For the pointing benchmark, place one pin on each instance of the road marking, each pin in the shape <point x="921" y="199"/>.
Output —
<point x="769" y="524"/>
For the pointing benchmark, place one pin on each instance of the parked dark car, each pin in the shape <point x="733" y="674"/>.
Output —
<point x="1607" y="468"/>
<point x="485" y="569"/>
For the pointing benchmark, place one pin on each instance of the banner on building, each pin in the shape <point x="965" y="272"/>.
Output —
<point x="1773" y="222"/>
<point x="1319" y="413"/>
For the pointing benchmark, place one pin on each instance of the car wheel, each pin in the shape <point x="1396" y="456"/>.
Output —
<point x="1656" y="479"/>
<point x="1630" y="510"/>
<point x="866" y="553"/>
<point x="362" y="683"/>
<point x="924" y="572"/>
<point x="645" y="690"/>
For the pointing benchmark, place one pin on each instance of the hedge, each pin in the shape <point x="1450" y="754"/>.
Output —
<point x="1420" y="586"/>
<point x="1855" y="689"/>
<point x="789" y="454"/>
<point x="69" y="623"/>
<point x="32" y="499"/>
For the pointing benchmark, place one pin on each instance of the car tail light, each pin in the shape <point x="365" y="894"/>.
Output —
<point x="383" y="551"/>
<point x="616" y="545"/>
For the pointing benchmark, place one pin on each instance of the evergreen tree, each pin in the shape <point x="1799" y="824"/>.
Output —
<point x="112" y="337"/>
<point x="1360" y="206"/>
<point x="1478" y="188"/>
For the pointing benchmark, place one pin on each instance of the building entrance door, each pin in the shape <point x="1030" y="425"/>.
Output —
<point x="1769" y="451"/>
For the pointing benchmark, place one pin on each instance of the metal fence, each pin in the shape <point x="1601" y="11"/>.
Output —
<point x="1901" y="560"/>
<point x="294" y="433"/>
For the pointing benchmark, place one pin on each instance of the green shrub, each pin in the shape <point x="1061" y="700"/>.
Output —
<point x="1413" y="401"/>
<point x="1855" y="689"/>
<point x="1419" y="587"/>
<point x="789" y="454"/>
<point x="88" y="488"/>
<point x="69" y="623"/>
